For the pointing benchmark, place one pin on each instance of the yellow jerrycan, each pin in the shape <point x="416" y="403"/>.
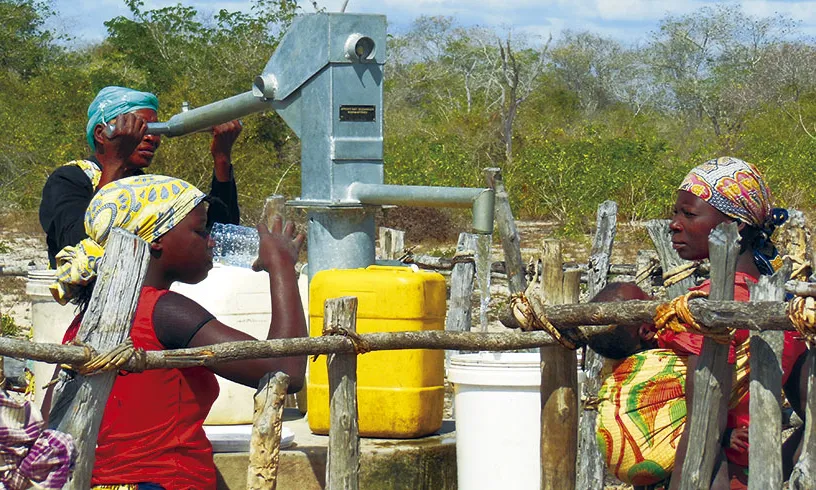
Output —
<point x="400" y="393"/>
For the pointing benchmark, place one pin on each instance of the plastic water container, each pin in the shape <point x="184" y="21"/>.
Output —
<point x="400" y="393"/>
<point x="238" y="297"/>
<point x="234" y="244"/>
<point x="497" y="405"/>
<point x="49" y="321"/>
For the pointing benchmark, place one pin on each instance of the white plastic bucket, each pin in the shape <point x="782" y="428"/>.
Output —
<point x="49" y="321"/>
<point x="497" y="405"/>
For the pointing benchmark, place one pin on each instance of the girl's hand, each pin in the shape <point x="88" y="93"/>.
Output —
<point x="279" y="247"/>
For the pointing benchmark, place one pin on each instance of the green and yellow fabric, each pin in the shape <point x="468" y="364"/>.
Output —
<point x="642" y="412"/>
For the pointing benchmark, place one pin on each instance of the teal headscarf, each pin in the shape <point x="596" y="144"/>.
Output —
<point x="113" y="101"/>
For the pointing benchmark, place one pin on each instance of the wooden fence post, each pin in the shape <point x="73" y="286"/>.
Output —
<point x="659" y="232"/>
<point x="765" y="430"/>
<point x="106" y="324"/>
<point x="264" y="444"/>
<point x="392" y="243"/>
<point x="792" y="241"/>
<point x="506" y="225"/>
<point x="559" y="382"/>
<point x="590" y="468"/>
<point x="343" y="460"/>
<point x="459" y="317"/>
<point x="804" y="473"/>
<point x="713" y="372"/>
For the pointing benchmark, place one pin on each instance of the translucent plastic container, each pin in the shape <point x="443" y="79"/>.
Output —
<point x="235" y="245"/>
<point x="49" y="321"/>
<point x="400" y="394"/>
<point x="238" y="297"/>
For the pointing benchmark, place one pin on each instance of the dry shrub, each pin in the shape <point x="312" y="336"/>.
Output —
<point x="426" y="225"/>
<point x="21" y="222"/>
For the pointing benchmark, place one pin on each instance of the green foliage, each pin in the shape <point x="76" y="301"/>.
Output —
<point x="24" y="42"/>
<point x="8" y="327"/>
<point x="4" y="247"/>
<point x="567" y="178"/>
<point x="592" y="120"/>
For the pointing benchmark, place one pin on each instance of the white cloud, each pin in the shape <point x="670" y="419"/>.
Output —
<point x="626" y="20"/>
<point x="804" y="12"/>
<point x="643" y="10"/>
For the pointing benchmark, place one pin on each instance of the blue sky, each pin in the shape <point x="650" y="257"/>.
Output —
<point x="626" y="20"/>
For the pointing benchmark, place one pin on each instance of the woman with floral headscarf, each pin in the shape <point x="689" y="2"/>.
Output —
<point x="643" y="409"/>
<point x="128" y="151"/>
<point x="152" y="433"/>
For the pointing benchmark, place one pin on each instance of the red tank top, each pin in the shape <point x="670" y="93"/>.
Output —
<point x="152" y="430"/>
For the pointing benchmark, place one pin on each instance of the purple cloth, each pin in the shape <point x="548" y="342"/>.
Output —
<point x="29" y="454"/>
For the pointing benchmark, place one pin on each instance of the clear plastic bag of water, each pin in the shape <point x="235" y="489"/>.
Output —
<point x="234" y="245"/>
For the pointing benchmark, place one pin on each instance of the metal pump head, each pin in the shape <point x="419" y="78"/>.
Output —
<point x="331" y="97"/>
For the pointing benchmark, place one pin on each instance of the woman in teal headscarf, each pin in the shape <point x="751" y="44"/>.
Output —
<point x="128" y="151"/>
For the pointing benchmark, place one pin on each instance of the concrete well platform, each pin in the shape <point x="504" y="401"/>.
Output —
<point x="385" y="464"/>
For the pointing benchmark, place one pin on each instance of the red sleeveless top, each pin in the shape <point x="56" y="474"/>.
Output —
<point x="152" y="430"/>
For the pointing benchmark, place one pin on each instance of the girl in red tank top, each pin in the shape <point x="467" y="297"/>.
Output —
<point x="152" y="433"/>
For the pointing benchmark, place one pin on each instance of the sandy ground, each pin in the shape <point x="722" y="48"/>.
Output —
<point x="18" y="253"/>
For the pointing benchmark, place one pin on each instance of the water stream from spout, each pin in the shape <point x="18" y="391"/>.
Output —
<point x="482" y="259"/>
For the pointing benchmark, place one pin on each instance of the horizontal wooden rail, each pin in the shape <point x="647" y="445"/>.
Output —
<point x="589" y="318"/>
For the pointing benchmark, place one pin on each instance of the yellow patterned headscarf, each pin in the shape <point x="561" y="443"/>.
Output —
<point x="146" y="205"/>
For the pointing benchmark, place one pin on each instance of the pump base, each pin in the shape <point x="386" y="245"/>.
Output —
<point x="388" y="464"/>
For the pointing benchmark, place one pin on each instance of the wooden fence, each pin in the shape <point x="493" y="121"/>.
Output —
<point x="107" y="322"/>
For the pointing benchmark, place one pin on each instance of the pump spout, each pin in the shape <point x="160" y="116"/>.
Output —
<point x="480" y="200"/>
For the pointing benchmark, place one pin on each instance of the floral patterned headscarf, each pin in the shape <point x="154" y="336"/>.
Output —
<point x="737" y="189"/>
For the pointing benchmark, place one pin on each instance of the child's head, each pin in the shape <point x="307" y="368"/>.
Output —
<point x="622" y="340"/>
<point x="149" y="206"/>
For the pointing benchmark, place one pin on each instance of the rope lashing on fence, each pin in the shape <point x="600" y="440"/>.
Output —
<point x="407" y="256"/>
<point x="646" y="272"/>
<point x="676" y="316"/>
<point x="361" y="345"/>
<point x="677" y="274"/>
<point x="802" y="314"/>
<point x="101" y="363"/>
<point x="528" y="320"/>
<point x="111" y="361"/>
<point x="590" y="404"/>
<point x="801" y="267"/>
<point x="464" y="257"/>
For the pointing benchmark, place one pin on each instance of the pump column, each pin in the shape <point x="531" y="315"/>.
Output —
<point x="340" y="238"/>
